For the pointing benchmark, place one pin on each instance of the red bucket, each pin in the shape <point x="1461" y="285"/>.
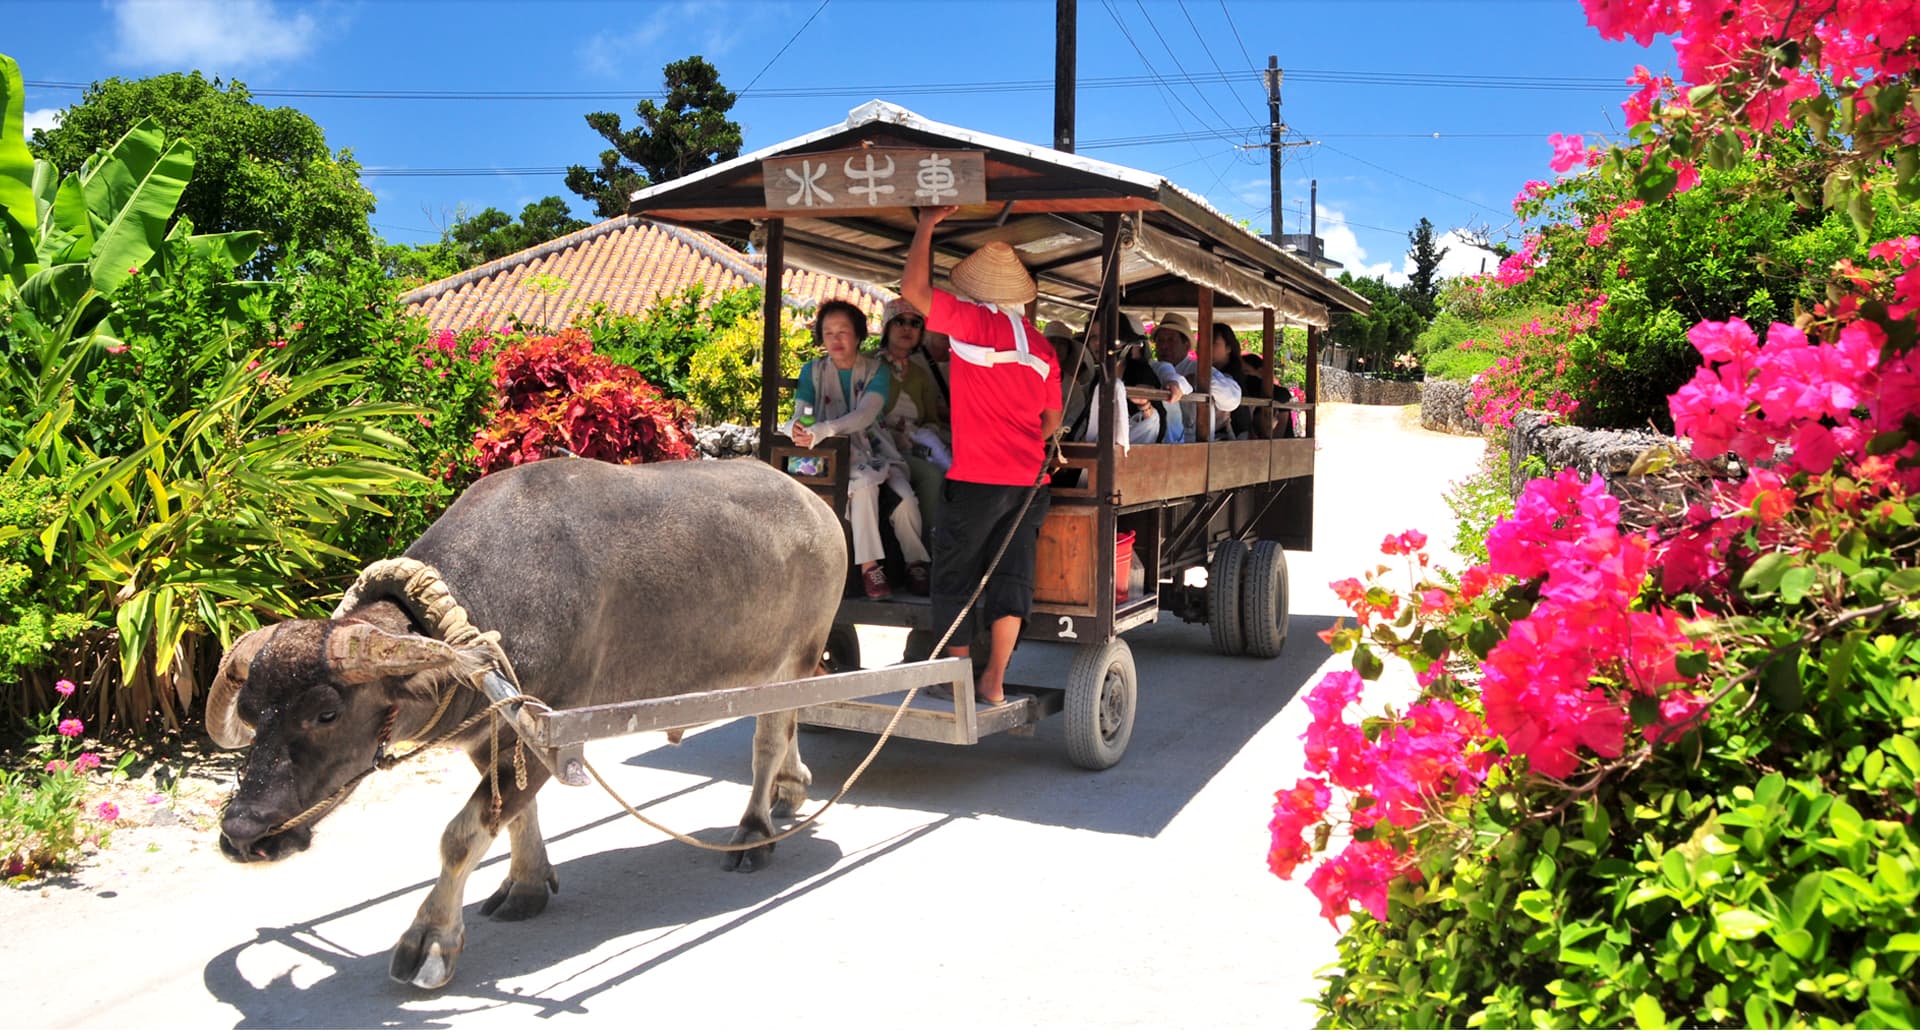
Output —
<point x="1122" y="564"/>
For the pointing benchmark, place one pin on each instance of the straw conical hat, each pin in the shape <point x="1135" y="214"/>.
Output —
<point x="994" y="275"/>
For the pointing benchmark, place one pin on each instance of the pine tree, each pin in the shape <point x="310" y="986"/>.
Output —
<point x="1423" y="282"/>
<point x="688" y="132"/>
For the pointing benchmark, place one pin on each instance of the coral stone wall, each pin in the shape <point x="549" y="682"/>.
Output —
<point x="1443" y="407"/>
<point x="1338" y="385"/>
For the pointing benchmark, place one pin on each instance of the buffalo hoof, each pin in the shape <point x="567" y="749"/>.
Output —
<point x="784" y="808"/>
<point x="425" y="956"/>
<point x="749" y="860"/>
<point x="517" y="901"/>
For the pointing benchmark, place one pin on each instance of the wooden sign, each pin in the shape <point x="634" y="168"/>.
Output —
<point x="876" y="177"/>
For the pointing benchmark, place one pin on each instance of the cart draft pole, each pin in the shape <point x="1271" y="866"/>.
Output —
<point x="770" y="305"/>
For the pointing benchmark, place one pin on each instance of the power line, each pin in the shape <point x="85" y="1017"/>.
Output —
<point x="1164" y="45"/>
<point x="783" y="47"/>
<point x="1410" y="179"/>
<point x="1216" y="64"/>
<point x="1158" y="80"/>
<point x="1121" y="82"/>
<point x="1244" y="56"/>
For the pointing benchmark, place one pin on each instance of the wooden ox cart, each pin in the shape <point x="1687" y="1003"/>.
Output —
<point x="1099" y="239"/>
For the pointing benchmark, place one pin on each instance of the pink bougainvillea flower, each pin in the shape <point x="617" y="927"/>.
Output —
<point x="1568" y="151"/>
<point x="114" y="349"/>
<point x="63" y="687"/>
<point x="71" y="727"/>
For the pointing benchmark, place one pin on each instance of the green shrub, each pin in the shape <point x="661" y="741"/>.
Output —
<point x="723" y="375"/>
<point x="660" y="344"/>
<point x="1480" y="501"/>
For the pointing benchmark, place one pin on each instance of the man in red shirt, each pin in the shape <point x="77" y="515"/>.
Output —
<point x="1005" y="383"/>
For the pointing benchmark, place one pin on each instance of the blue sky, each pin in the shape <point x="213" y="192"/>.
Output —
<point x="1379" y="165"/>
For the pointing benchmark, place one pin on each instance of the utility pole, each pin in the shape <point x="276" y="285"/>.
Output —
<point x="1313" y="222"/>
<point x="1065" y="19"/>
<point x="1275" y="147"/>
<point x="1273" y="143"/>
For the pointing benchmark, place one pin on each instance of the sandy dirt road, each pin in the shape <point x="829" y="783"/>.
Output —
<point x="987" y="887"/>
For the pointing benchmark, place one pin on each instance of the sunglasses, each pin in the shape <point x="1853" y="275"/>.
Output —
<point x="913" y="321"/>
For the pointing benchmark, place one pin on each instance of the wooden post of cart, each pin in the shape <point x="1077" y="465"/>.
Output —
<point x="1269" y="420"/>
<point x="1203" y="364"/>
<point x="770" y="338"/>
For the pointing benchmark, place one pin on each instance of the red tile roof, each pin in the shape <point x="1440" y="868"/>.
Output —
<point x="623" y="263"/>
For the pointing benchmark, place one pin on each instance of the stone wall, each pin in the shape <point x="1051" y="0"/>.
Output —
<point x="1609" y="453"/>
<point x="726" y="440"/>
<point x="1338" y="385"/>
<point x="1443" y="407"/>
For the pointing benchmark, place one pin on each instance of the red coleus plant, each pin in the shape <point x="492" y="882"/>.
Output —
<point x="556" y="397"/>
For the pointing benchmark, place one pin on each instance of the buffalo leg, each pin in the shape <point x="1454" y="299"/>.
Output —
<point x="791" y="781"/>
<point x="774" y="749"/>
<point x="530" y="878"/>
<point x="427" y="952"/>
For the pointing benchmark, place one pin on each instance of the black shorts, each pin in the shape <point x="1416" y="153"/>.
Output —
<point x="975" y="519"/>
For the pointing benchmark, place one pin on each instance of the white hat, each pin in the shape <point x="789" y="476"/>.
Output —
<point x="1177" y="323"/>
<point x="1060" y="328"/>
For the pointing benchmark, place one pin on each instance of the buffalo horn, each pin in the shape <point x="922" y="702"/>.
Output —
<point x="223" y="719"/>
<point x="361" y="653"/>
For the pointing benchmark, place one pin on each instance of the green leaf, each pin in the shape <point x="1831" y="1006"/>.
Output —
<point x="1366" y="664"/>
<point x="1740" y="923"/>
<point x="1794" y="585"/>
<point x="1906" y="943"/>
<point x="1767" y="570"/>
<point x="1806" y="899"/>
<point x="1654" y="183"/>
<point x="1544" y="870"/>
<point x="1908" y="752"/>
<point x="16" y="162"/>
<point x="152" y="185"/>
<point x="1797" y="943"/>
<point x="1648" y="1014"/>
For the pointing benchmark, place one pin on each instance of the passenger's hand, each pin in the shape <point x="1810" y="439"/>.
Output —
<point x="803" y="436"/>
<point x="1174" y="391"/>
<point x="932" y="215"/>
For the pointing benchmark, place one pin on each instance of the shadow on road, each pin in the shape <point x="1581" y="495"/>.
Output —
<point x="666" y="888"/>
<point x="1196" y="711"/>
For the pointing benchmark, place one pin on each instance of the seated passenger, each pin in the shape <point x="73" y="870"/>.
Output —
<point x="1173" y="349"/>
<point x="1140" y="421"/>
<point x="917" y="408"/>
<point x="1078" y="370"/>
<point x="1229" y="363"/>
<point x="1261" y="421"/>
<point x="844" y="393"/>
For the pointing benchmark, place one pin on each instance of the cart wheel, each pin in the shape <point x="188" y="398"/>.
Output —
<point x="843" y="649"/>
<point x="1102" y="690"/>
<point x="1224" y="576"/>
<point x="1263" y="600"/>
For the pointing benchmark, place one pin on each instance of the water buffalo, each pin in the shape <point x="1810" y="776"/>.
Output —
<point x="604" y="583"/>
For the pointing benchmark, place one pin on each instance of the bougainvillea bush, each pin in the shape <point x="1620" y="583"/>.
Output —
<point x="556" y="397"/>
<point x="1660" y="775"/>
<point x="1662" y="766"/>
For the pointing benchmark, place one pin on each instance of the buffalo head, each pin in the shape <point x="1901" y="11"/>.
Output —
<point x="313" y="697"/>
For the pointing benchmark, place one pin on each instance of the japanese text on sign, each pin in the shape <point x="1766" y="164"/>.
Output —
<point x="875" y="178"/>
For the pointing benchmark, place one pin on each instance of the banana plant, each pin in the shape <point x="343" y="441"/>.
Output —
<point x="72" y="239"/>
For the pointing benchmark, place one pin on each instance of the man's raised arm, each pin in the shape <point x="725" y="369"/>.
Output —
<point x="916" y="282"/>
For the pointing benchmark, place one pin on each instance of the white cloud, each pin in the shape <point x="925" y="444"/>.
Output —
<point x="42" y="118"/>
<point x="217" y="37"/>
<point x="1339" y="243"/>
<point x="613" y="54"/>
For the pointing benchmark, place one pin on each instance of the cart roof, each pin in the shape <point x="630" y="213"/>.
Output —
<point x="1049" y="205"/>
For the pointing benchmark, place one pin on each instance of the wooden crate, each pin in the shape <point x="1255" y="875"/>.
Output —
<point x="1063" y="566"/>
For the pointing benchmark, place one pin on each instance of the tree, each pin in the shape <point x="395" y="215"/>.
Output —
<point x="255" y="168"/>
<point x="478" y="239"/>
<point x="1381" y="335"/>
<point x="1423" y="283"/>
<point x="687" y="133"/>
<point x="493" y="233"/>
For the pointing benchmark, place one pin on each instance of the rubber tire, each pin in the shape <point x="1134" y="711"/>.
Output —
<point x="1263" y="600"/>
<point x="1224" y="576"/>
<point x="843" y="650"/>
<point x="1096" y="736"/>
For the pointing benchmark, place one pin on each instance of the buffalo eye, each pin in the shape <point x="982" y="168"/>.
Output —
<point x="326" y="717"/>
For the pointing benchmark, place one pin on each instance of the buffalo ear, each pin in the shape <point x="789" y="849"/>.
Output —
<point x="223" y="697"/>
<point x="359" y="654"/>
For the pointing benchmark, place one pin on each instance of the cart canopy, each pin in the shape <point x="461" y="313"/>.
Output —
<point x="845" y="194"/>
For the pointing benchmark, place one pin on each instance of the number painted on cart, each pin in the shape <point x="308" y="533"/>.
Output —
<point x="1066" y="628"/>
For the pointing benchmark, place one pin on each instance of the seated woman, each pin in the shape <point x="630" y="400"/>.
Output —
<point x="1247" y="421"/>
<point x="917" y="414"/>
<point x="844" y="393"/>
